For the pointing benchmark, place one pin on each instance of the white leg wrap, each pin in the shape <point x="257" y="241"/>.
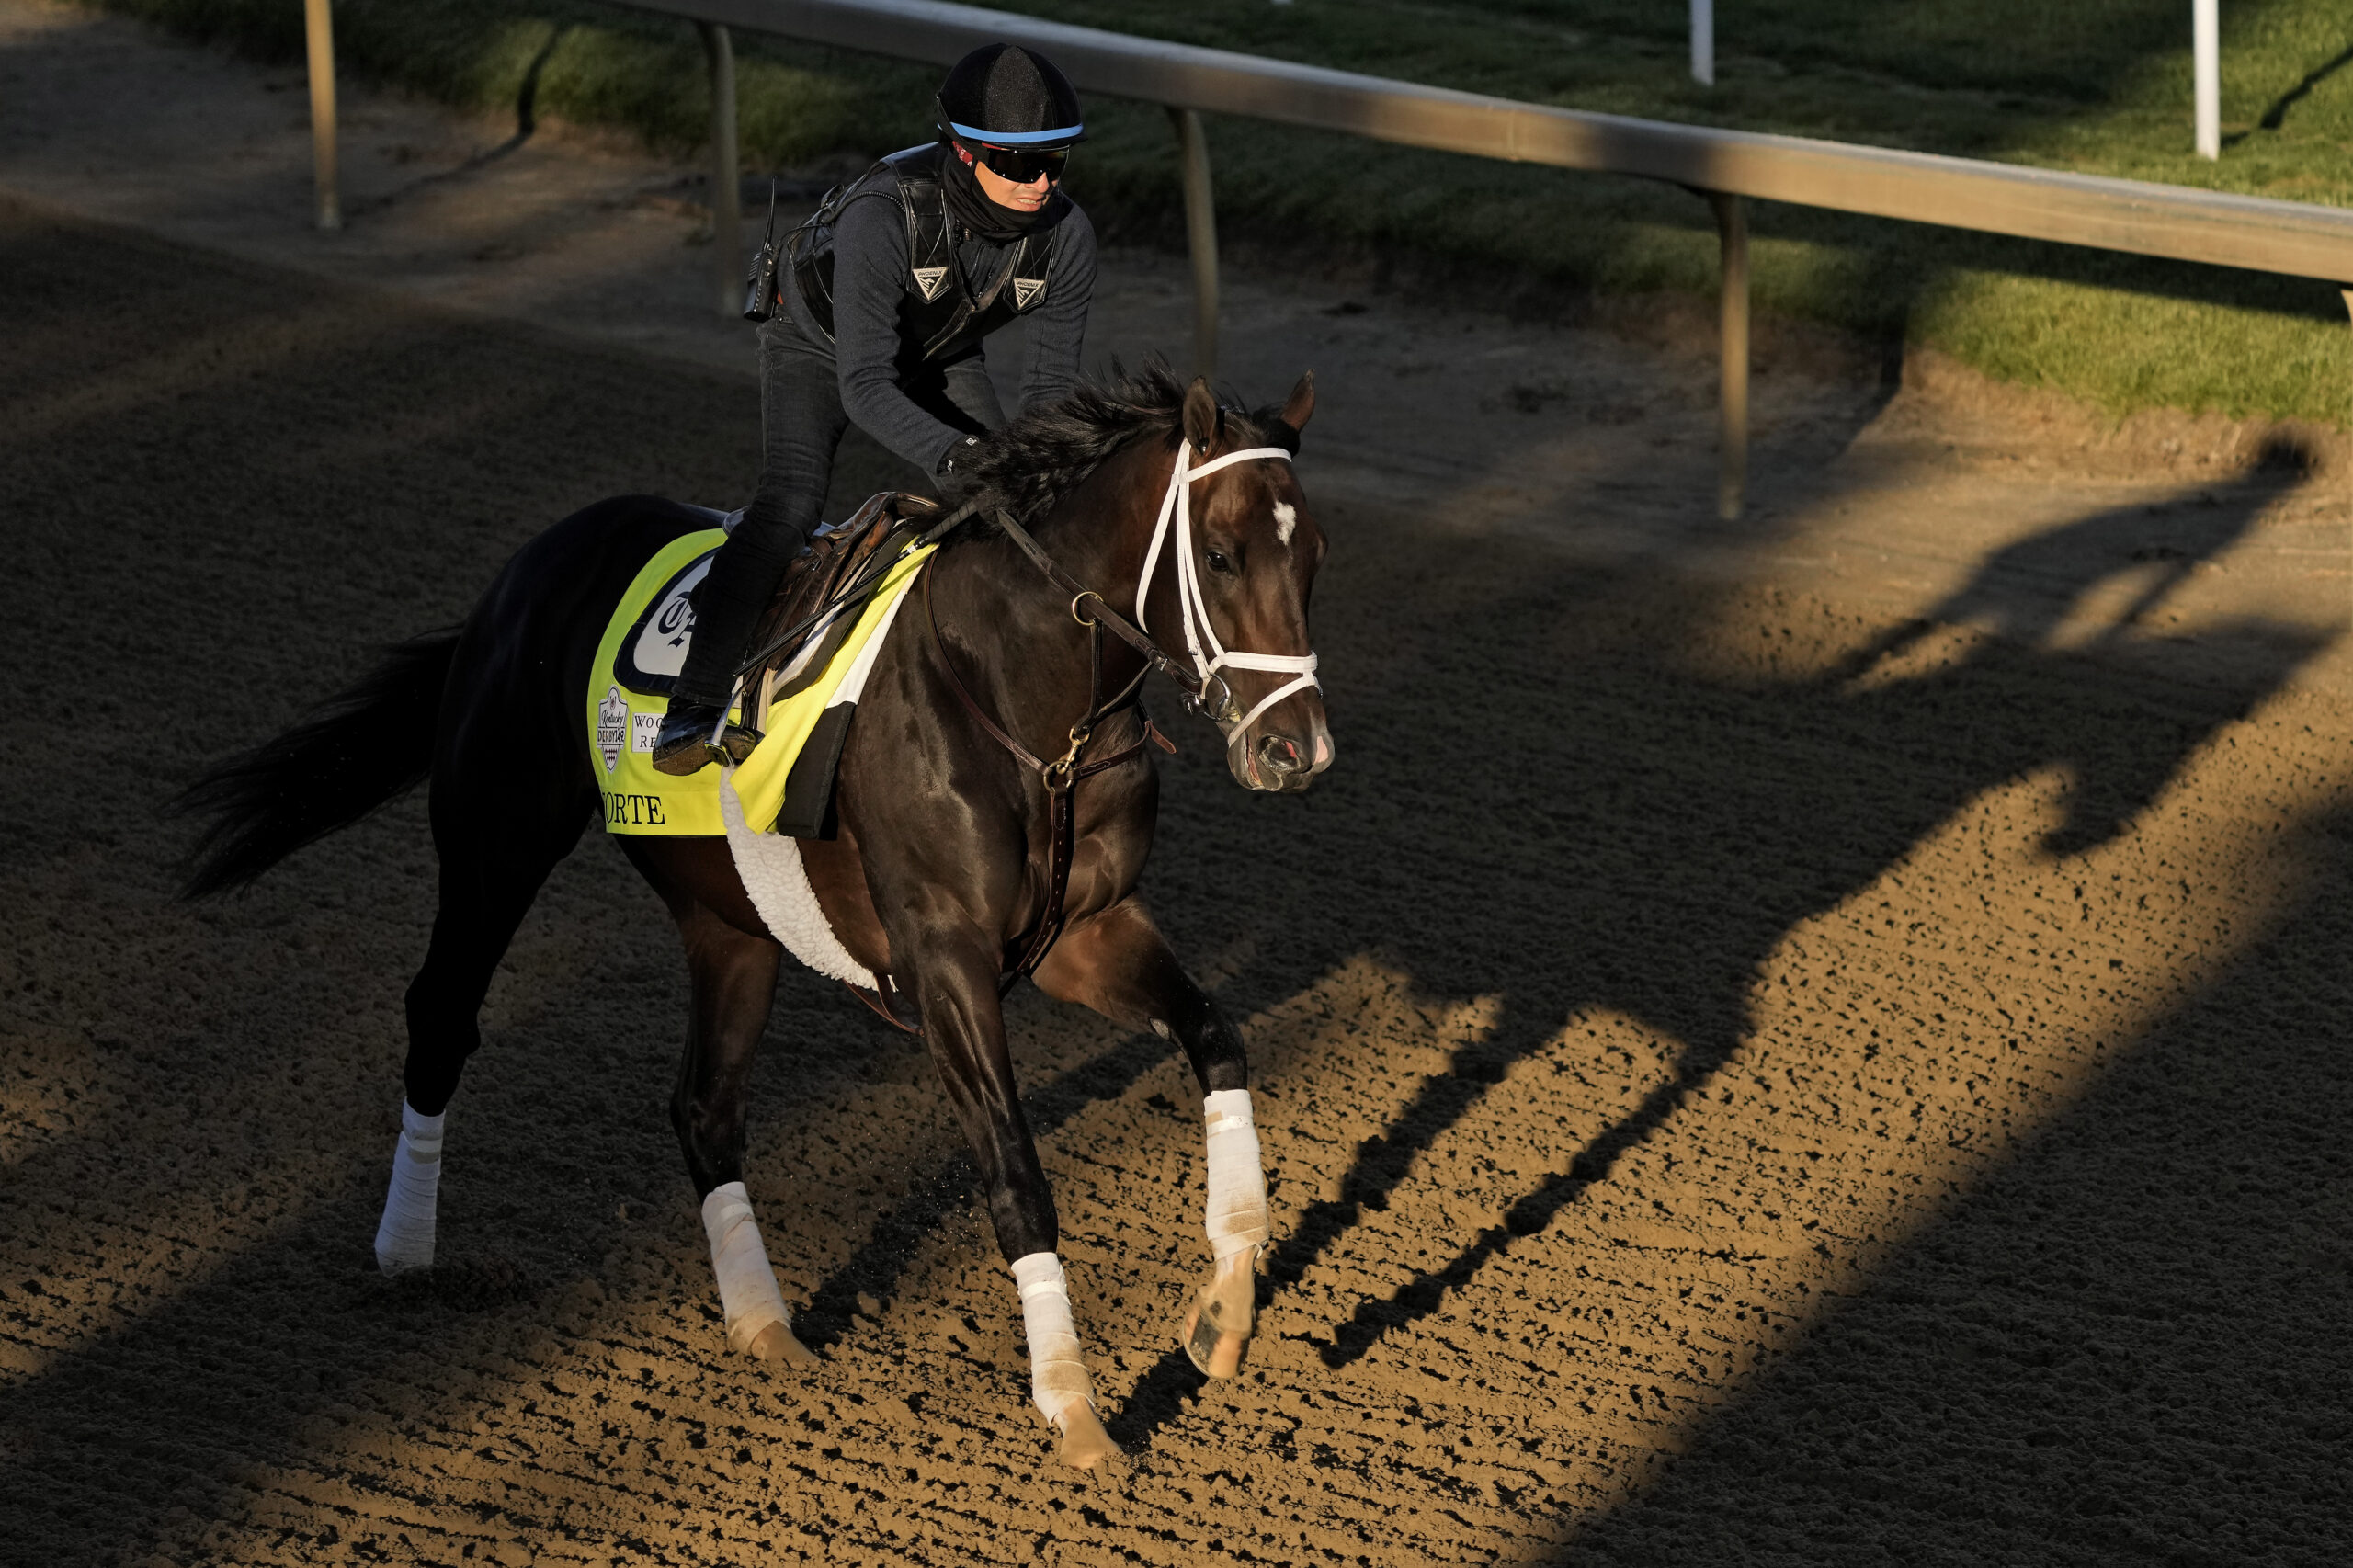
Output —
<point x="1237" y="1202"/>
<point x="1057" y="1376"/>
<point x="746" y="1283"/>
<point x="404" y="1238"/>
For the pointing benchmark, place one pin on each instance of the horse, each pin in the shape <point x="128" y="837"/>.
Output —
<point x="1138" y="503"/>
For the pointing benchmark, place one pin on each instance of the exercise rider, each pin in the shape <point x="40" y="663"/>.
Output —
<point x="881" y="305"/>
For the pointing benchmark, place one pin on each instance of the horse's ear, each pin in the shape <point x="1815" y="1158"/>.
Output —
<point x="1201" y="415"/>
<point x="1282" y="428"/>
<point x="1300" y="406"/>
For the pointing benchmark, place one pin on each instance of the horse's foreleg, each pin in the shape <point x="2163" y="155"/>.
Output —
<point x="956" y="985"/>
<point x="733" y="977"/>
<point x="1118" y="963"/>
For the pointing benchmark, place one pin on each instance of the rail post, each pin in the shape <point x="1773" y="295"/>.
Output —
<point x="1200" y="235"/>
<point x="1732" y="412"/>
<point x="318" y="28"/>
<point x="726" y="195"/>
<point x="2206" y="87"/>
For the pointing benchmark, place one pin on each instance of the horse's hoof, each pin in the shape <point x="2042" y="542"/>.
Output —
<point x="1085" y="1443"/>
<point x="778" y="1342"/>
<point x="1216" y="1352"/>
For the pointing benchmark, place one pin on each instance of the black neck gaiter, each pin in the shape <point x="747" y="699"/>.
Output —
<point x="972" y="208"/>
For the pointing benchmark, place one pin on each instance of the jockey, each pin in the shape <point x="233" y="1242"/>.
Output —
<point x="886" y="296"/>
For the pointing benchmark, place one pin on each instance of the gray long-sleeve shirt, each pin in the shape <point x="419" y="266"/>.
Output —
<point x="870" y="277"/>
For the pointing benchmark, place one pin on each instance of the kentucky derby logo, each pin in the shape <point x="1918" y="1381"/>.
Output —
<point x="612" y="726"/>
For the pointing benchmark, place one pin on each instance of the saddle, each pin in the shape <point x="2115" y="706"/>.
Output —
<point x="837" y="568"/>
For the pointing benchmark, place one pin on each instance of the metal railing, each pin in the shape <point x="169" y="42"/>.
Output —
<point x="1727" y="167"/>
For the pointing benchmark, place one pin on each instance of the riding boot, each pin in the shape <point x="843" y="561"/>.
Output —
<point x="695" y="734"/>
<point x="727" y="605"/>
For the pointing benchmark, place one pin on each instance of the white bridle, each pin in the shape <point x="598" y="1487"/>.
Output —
<point x="1176" y="520"/>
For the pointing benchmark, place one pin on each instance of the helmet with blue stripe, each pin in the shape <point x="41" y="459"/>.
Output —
<point x="1002" y="96"/>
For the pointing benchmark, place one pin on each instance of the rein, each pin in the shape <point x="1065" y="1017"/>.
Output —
<point x="1199" y="683"/>
<point x="1062" y="776"/>
<point x="1155" y="657"/>
<point x="856" y="592"/>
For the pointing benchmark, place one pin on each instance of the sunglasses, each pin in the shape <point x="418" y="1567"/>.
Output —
<point x="1022" y="164"/>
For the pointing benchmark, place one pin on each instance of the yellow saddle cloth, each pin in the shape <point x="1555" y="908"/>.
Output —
<point x="816" y="695"/>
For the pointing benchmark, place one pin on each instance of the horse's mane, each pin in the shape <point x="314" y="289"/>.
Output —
<point x="1030" y="464"/>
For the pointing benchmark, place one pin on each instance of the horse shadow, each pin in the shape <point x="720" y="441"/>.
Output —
<point x="1780" y="802"/>
<point x="1667" y="831"/>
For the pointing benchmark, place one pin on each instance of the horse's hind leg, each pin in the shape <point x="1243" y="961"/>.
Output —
<point x="1118" y="963"/>
<point x="732" y="976"/>
<point x="499" y="825"/>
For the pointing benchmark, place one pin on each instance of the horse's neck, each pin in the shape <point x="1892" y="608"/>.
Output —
<point x="1017" y="638"/>
<point x="1100" y="531"/>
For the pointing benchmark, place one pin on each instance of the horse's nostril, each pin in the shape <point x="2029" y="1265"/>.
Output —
<point x="1278" y="755"/>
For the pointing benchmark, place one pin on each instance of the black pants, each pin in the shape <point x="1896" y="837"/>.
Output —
<point x="801" y="422"/>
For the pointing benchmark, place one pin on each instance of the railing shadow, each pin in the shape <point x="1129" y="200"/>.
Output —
<point x="527" y="124"/>
<point x="2276" y="115"/>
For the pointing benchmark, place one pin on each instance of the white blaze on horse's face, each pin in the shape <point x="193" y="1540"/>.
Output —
<point x="1258" y="552"/>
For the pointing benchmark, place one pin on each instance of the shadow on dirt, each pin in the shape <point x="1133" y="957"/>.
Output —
<point x="527" y="125"/>
<point x="897" y="1236"/>
<point x="1655" y="865"/>
<point x="2128" y="1345"/>
<point x="1643" y="834"/>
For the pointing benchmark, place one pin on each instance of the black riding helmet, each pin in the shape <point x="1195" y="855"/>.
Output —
<point x="1013" y="110"/>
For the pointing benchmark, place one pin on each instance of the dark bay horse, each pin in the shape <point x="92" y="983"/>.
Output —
<point x="938" y="880"/>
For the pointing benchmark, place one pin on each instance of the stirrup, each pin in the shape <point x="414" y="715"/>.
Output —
<point x="694" y="736"/>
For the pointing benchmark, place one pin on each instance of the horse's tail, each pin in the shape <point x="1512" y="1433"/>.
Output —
<point x="365" y="747"/>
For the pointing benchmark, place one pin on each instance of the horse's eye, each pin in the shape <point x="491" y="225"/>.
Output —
<point x="1218" y="561"/>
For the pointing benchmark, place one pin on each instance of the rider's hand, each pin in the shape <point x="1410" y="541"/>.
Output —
<point x="958" y="460"/>
<point x="954" y="476"/>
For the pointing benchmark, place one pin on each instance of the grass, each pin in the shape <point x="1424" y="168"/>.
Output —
<point x="2095" y="85"/>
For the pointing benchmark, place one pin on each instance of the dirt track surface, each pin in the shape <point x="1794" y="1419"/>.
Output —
<point x="1824" y="1041"/>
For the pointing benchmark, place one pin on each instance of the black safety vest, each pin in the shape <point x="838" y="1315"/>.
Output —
<point x="937" y="309"/>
